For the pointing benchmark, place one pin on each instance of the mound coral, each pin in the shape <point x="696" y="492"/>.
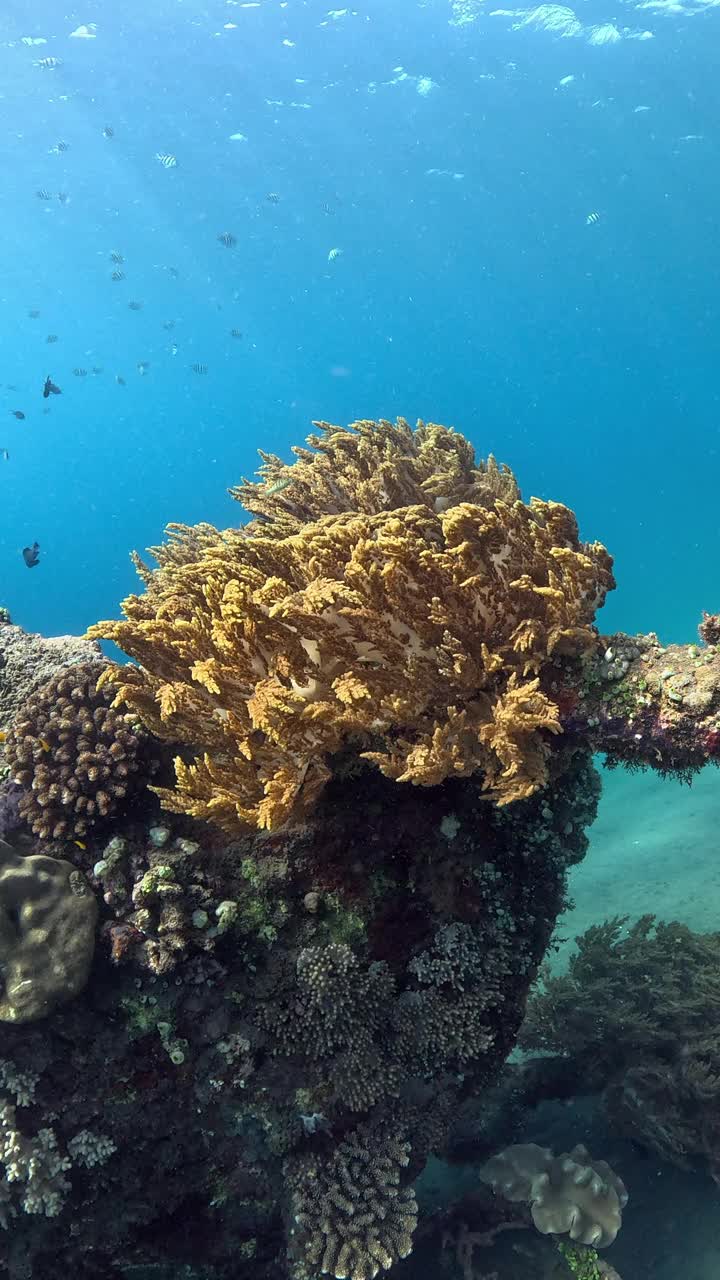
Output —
<point x="47" y="934"/>
<point x="393" y="598"/>
<point x="76" y="757"/>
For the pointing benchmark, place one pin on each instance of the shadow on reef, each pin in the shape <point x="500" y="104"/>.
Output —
<point x="236" y="1028"/>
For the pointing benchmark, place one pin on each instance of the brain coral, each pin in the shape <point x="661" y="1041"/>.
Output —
<point x="392" y="597"/>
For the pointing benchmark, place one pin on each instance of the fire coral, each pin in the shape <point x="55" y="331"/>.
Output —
<point x="393" y="598"/>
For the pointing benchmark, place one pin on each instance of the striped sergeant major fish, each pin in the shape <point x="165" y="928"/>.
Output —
<point x="166" y="160"/>
<point x="591" y="219"/>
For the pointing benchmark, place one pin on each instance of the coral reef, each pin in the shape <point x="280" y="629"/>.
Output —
<point x="635" y="1017"/>
<point x="569" y="1194"/>
<point x="47" y="934"/>
<point x="27" y="661"/>
<point x="412" y="637"/>
<point x="76" y="758"/>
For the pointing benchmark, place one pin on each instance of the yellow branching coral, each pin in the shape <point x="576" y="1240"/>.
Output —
<point x="395" y="598"/>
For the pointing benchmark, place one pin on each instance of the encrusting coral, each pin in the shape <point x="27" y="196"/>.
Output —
<point x="47" y="934"/>
<point x="568" y="1194"/>
<point x="393" y="598"/>
<point x="76" y="758"/>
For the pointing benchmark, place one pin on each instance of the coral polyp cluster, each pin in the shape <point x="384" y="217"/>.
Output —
<point x="76" y="757"/>
<point x="393" y="601"/>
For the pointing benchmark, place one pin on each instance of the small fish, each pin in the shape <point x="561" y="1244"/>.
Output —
<point x="228" y="239"/>
<point x="142" y="367"/>
<point x="199" y="368"/>
<point x="34" y="313"/>
<point x="59" y="147"/>
<point x="43" y="194"/>
<point x="48" y="64"/>
<point x="117" y="275"/>
<point x="50" y="389"/>
<point x="18" y="413"/>
<point x="120" y="380"/>
<point x="236" y="333"/>
<point x="96" y="369"/>
<point x="52" y="337"/>
<point x="174" y="349"/>
<point x="168" y="324"/>
<point x="166" y="160"/>
<point x="277" y="487"/>
<point x="78" y="373"/>
<point x="108" y="131"/>
<point x="43" y="741"/>
<point x="63" y="197"/>
<point x="272" y="197"/>
<point x="116" y="256"/>
<point x="173" y="271"/>
<point x="135" y="306"/>
<point x="334" y="254"/>
<point x="6" y="458"/>
<point x="31" y="555"/>
<point x="591" y="219"/>
<point x="80" y="844"/>
<point x="327" y="208"/>
<point x="3" y="735"/>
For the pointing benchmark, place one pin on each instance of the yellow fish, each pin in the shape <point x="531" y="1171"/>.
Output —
<point x="3" y="735"/>
<point x="44" y="744"/>
<point x="80" y="844"/>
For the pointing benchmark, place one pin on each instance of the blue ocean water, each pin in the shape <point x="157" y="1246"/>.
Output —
<point x="454" y="154"/>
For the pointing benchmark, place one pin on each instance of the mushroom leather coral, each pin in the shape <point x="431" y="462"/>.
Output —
<point x="393" y="597"/>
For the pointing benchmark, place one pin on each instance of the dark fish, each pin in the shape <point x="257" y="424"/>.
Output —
<point x="173" y="271"/>
<point x="80" y="372"/>
<point x="18" y="413"/>
<point x="34" y="313"/>
<point x="42" y="194"/>
<point x="236" y="333"/>
<point x="272" y="197"/>
<point x="31" y="555"/>
<point x="63" y="197"/>
<point x="96" y="369"/>
<point x="108" y="131"/>
<point x="117" y="275"/>
<point x="50" y="389"/>
<point x="116" y="256"/>
<point x="199" y="368"/>
<point x="228" y="239"/>
<point x="168" y="324"/>
<point x="4" y="455"/>
<point x="135" y="306"/>
<point x="120" y="380"/>
<point x="52" y="337"/>
<point x="142" y="367"/>
<point x="60" y="147"/>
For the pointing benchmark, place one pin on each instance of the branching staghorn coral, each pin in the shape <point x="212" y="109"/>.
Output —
<point x="352" y="1217"/>
<point x="393" y="597"/>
